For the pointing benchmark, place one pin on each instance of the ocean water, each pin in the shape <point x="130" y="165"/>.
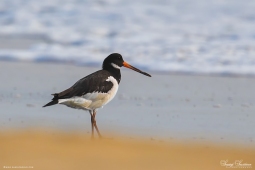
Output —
<point x="185" y="36"/>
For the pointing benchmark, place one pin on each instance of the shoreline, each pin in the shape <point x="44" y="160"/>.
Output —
<point x="155" y="72"/>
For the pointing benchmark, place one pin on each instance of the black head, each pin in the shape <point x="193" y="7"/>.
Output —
<point x="114" y="61"/>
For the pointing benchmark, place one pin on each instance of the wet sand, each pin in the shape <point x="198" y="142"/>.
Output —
<point x="167" y="107"/>
<point x="65" y="151"/>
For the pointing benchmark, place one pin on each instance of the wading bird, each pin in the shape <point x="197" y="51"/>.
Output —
<point x="95" y="90"/>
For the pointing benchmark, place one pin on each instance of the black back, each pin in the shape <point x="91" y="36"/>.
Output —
<point x="95" y="82"/>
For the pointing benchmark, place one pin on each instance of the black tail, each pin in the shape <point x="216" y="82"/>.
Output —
<point x="51" y="103"/>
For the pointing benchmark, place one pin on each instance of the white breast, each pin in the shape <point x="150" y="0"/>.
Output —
<point x="114" y="88"/>
<point x="92" y="101"/>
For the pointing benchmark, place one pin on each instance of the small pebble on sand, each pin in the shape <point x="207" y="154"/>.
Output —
<point x="217" y="106"/>
<point x="30" y="105"/>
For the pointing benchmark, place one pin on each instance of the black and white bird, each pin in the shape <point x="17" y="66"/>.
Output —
<point x="95" y="90"/>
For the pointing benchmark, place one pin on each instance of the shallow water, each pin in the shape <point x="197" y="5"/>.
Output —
<point x="178" y="36"/>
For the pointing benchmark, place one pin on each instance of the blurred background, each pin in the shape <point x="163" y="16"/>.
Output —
<point x="184" y="36"/>
<point x="173" y="120"/>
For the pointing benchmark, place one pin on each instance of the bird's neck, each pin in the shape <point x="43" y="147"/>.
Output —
<point x="115" y="73"/>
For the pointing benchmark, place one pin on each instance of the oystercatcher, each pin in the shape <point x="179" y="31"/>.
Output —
<point x="95" y="90"/>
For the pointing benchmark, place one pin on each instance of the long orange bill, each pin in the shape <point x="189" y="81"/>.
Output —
<point x="125" y="64"/>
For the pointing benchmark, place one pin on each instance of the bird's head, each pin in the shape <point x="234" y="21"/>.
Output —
<point x="116" y="61"/>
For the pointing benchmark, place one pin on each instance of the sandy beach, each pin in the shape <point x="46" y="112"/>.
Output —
<point x="167" y="121"/>
<point x="39" y="150"/>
